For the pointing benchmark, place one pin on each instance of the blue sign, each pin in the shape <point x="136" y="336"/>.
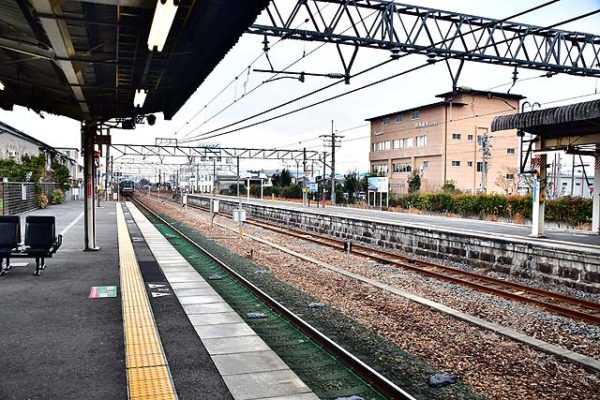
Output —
<point x="313" y="186"/>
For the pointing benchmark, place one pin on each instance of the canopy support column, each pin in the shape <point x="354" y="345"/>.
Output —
<point x="596" y="195"/>
<point x="88" y="134"/>
<point x="539" y="199"/>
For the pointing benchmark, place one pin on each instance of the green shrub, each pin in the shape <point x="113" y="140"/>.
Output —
<point x="43" y="200"/>
<point x="519" y="205"/>
<point x="573" y="210"/>
<point x="292" y="192"/>
<point x="57" y="196"/>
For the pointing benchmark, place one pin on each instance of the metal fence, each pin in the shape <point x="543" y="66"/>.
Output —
<point x="18" y="197"/>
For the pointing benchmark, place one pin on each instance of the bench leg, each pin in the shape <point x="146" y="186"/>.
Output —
<point x="37" y="266"/>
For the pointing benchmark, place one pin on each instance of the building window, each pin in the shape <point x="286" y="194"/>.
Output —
<point x="386" y="121"/>
<point x="403" y="143"/>
<point x="381" y="146"/>
<point x="456" y="136"/>
<point x="402" y="167"/>
<point x="380" y="169"/>
<point x="421" y="141"/>
<point x="399" y="118"/>
<point x="510" y="176"/>
<point x="456" y="163"/>
<point x="470" y="164"/>
<point x="426" y="164"/>
<point x="470" y="138"/>
<point x="510" y="150"/>
<point x="480" y="166"/>
<point x="415" y="114"/>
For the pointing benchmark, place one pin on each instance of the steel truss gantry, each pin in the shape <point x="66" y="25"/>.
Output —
<point x="210" y="152"/>
<point x="401" y="28"/>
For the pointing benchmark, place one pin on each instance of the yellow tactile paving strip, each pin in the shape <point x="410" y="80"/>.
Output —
<point x="148" y="375"/>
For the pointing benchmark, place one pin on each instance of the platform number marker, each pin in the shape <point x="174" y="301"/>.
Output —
<point x="159" y="289"/>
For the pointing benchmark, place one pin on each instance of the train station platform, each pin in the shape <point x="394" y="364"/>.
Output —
<point x="570" y="257"/>
<point x="164" y="334"/>
<point x="452" y="224"/>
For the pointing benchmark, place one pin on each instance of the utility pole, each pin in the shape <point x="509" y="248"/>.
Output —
<point x="304" y="188"/>
<point x="212" y="193"/>
<point x="332" y="141"/>
<point x="486" y="154"/>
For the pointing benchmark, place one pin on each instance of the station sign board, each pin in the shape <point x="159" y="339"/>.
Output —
<point x="312" y="185"/>
<point x="378" y="184"/>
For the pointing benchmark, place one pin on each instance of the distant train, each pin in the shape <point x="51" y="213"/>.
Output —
<point x="126" y="188"/>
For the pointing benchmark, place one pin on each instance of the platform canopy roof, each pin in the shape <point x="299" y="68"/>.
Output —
<point x="575" y="126"/>
<point x="85" y="59"/>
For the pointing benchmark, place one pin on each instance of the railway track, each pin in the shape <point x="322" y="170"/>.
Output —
<point x="558" y="303"/>
<point x="368" y="374"/>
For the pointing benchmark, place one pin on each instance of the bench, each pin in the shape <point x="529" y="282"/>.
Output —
<point x="40" y="243"/>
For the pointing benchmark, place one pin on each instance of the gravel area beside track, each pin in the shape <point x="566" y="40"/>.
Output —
<point x="495" y="366"/>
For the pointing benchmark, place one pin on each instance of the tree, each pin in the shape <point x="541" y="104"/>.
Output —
<point x="30" y="169"/>
<point x="276" y="179"/>
<point x="61" y="174"/>
<point x="285" y="177"/>
<point x="414" y="183"/>
<point x="363" y="184"/>
<point x="351" y="186"/>
<point x="449" y="187"/>
<point x="507" y="179"/>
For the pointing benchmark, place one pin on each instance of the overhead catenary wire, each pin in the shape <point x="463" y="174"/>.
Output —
<point x="247" y="71"/>
<point x="304" y="55"/>
<point x="212" y="133"/>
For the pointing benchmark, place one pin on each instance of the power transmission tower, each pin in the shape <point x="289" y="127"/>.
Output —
<point x="332" y="141"/>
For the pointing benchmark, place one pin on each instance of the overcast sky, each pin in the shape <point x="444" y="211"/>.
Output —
<point x="302" y="129"/>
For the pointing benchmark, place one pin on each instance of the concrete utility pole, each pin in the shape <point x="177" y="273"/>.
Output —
<point x="332" y="141"/>
<point x="212" y="193"/>
<point x="486" y="154"/>
<point x="304" y="188"/>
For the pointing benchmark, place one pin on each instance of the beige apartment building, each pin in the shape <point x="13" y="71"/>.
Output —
<point x="448" y="140"/>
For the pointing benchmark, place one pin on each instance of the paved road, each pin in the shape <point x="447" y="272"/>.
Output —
<point x="446" y="223"/>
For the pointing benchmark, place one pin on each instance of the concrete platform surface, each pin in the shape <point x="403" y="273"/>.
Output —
<point x="55" y="342"/>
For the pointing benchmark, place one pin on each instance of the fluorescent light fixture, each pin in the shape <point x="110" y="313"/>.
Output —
<point x="140" y="98"/>
<point x="164" y="14"/>
<point x="1" y="85"/>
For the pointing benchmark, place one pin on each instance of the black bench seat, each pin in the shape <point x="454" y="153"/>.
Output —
<point x="41" y="241"/>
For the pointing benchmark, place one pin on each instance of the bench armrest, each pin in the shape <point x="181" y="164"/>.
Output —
<point x="57" y="244"/>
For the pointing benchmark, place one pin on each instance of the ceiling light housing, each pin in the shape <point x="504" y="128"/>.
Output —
<point x="140" y="98"/>
<point x="164" y="15"/>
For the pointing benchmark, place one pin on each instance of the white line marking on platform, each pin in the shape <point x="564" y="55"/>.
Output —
<point x="64" y="231"/>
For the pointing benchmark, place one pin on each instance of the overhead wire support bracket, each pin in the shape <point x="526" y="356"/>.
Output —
<point x="301" y="75"/>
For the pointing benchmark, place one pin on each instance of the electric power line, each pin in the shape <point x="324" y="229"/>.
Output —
<point x="430" y="62"/>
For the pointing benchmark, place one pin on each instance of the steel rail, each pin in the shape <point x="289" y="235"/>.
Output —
<point x="378" y="381"/>
<point x="449" y="274"/>
<point x="507" y="289"/>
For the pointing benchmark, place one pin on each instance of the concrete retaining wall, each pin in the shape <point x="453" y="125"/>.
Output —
<point x="573" y="265"/>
